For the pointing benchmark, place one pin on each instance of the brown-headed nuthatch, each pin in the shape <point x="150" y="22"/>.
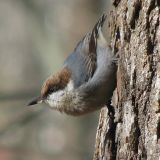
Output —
<point x="87" y="79"/>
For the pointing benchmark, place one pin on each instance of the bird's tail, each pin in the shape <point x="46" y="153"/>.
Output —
<point x="96" y="31"/>
<point x="99" y="25"/>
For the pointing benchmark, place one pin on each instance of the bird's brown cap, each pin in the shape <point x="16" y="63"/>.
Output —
<point x="54" y="83"/>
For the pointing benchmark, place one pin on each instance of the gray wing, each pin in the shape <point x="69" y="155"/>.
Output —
<point x="83" y="61"/>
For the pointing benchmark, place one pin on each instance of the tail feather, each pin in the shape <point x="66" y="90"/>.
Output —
<point x="95" y="34"/>
<point x="99" y="25"/>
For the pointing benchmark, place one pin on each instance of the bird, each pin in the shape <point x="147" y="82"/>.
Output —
<point x="87" y="79"/>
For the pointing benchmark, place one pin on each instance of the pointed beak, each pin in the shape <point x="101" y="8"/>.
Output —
<point x="35" y="101"/>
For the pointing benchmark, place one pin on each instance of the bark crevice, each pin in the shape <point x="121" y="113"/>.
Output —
<point x="135" y="129"/>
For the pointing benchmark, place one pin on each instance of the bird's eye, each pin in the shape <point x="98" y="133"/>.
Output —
<point x="52" y="89"/>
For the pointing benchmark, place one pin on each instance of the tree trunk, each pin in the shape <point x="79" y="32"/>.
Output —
<point x="133" y="132"/>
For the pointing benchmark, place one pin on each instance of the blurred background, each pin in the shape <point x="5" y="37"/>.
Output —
<point x="35" y="38"/>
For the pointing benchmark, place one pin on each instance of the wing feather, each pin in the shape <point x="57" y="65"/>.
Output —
<point x="83" y="61"/>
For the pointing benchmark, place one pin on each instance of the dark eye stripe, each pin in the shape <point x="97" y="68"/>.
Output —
<point x="53" y="89"/>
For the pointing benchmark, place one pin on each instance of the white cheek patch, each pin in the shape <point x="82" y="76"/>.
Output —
<point x="70" y="86"/>
<point x="54" y="99"/>
<point x="58" y="99"/>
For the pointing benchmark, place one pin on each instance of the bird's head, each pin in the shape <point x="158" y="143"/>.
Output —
<point x="54" y="88"/>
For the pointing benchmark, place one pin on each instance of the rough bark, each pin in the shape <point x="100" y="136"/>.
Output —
<point x="134" y="131"/>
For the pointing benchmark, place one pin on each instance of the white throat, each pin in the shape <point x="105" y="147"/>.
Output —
<point x="60" y="98"/>
<point x="69" y="101"/>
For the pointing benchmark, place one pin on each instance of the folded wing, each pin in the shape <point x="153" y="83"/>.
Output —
<point x="83" y="61"/>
